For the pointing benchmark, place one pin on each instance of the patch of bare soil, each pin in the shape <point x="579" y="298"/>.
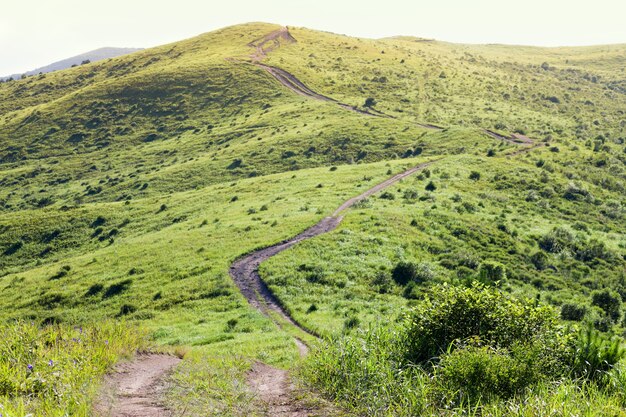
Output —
<point x="270" y="42"/>
<point x="135" y="388"/>
<point x="279" y="395"/>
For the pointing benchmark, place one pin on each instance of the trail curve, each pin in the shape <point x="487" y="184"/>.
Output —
<point x="244" y="271"/>
<point x="291" y="82"/>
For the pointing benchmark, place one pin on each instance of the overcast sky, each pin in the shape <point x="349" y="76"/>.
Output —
<point x="34" y="33"/>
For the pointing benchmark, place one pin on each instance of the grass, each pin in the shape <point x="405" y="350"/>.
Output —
<point x="452" y="229"/>
<point x="55" y="371"/>
<point x="128" y="186"/>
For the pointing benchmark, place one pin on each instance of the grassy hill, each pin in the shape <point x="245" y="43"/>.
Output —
<point x="128" y="186"/>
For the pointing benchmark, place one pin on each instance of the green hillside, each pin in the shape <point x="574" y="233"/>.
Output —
<point x="129" y="186"/>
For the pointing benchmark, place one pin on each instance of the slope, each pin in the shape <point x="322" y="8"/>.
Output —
<point x="128" y="187"/>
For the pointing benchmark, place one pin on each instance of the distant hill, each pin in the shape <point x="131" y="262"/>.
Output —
<point x="92" y="56"/>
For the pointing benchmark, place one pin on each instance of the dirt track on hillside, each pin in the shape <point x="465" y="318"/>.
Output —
<point x="134" y="389"/>
<point x="272" y="384"/>
<point x="294" y="84"/>
<point x="244" y="271"/>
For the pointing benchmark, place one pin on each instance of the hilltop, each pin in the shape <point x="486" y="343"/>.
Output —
<point x="129" y="186"/>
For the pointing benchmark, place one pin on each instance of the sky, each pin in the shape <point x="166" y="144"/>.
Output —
<point x="35" y="33"/>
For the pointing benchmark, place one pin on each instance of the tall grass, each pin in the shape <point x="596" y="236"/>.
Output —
<point x="363" y="374"/>
<point x="54" y="370"/>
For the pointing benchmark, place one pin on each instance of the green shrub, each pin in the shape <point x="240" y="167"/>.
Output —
<point x="491" y="271"/>
<point x="482" y="373"/>
<point x="540" y="260"/>
<point x="594" y="249"/>
<point x="557" y="240"/>
<point x="596" y="354"/>
<point x="454" y="314"/>
<point x="574" y="312"/>
<point x="382" y="282"/>
<point x="405" y="272"/>
<point x="608" y="300"/>
<point x="430" y="186"/>
<point x="369" y="102"/>
<point x="387" y="196"/>
<point x="126" y="309"/>
<point x="117" y="288"/>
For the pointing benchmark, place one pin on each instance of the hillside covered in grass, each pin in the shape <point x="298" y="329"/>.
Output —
<point x="130" y="185"/>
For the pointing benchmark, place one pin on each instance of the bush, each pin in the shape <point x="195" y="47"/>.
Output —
<point x="430" y="186"/>
<point x="127" y="309"/>
<point x="540" y="260"/>
<point x="410" y="195"/>
<point x="387" y="196"/>
<point x="405" y="272"/>
<point x="483" y="373"/>
<point x="457" y="314"/>
<point x="596" y="354"/>
<point x="574" y="312"/>
<point x="608" y="300"/>
<point x="594" y="249"/>
<point x="474" y="175"/>
<point x="557" y="240"/>
<point x="370" y="102"/>
<point x="574" y="192"/>
<point x="117" y="288"/>
<point x="94" y="289"/>
<point x="382" y="282"/>
<point x="491" y="271"/>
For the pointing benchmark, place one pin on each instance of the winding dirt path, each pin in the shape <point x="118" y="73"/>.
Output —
<point x="294" y="84"/>
<point x="244" y="271"/>
<point x="135" y="388"/>
<point x="273" y="385"/>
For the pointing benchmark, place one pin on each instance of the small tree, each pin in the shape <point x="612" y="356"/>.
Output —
<point x="431" y="186"/>
<point x="370" y="102"/>
<point x="474" y="175"/>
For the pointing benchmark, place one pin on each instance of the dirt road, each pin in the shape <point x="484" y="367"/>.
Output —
<point x="244" y="271"/>
<point x="134" y="388"/>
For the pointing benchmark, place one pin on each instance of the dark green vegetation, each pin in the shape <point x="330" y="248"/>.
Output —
<point x="473" y="348"/>
<point x="128" y="186"/>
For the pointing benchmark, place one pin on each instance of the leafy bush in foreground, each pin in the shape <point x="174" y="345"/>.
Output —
<point x="457" y="314"/>
<point x="464" y="350"/>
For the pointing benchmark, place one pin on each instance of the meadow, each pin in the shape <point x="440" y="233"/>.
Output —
<point x="129" y="186"/>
